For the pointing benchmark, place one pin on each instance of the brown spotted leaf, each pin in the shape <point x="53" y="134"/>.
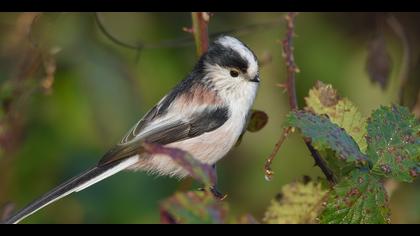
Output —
<point x="323" y="99"/>
<point x="394" y="143"/>
<point x="360" y="198"/>
<point x="202" y="172"/>
<point x="198" y="207"/>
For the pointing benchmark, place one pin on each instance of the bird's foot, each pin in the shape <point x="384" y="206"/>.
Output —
<point x="216" y="193"/>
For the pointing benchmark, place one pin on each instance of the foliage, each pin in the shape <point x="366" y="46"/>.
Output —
<point x="193" y="207"/>
<point x="62" y="123"/>
<point x="359" y="198"/>
<point x="394" y="143"/>
<point x="197" y="208"/>
<point x="393" y="150"/>
<point x="298" y="203"/>
<point x="326" y="135"/>
<point x="323" y="99"/>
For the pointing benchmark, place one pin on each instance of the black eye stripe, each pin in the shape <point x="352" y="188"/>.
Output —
<point x="226" y="57"/>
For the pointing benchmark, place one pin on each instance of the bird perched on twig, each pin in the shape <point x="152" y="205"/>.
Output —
<point x="204" y="115"/>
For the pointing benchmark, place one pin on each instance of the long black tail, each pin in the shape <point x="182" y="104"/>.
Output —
<point x="75" y="184"/>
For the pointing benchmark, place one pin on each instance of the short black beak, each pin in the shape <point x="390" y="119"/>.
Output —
<point x="256" y="79"/>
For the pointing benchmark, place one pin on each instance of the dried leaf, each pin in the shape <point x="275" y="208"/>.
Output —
<point x="257" y="120"/>
<point x="324" y="99"/>
<point x="379" y="62"/>
<point x="298" y="203"/>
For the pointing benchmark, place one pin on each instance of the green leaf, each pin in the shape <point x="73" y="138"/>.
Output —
<point x="298" y="203"/>
<point x="359" y="198"/>
<point x="193" y="208"/>
<point x="394" y="143"/>
<point x="326" y="135"/>
<point x="337" y="166"/>
<point x="201" y="172"/>
<point x="324" y="99"/>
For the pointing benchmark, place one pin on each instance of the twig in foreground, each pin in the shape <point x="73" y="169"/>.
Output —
<point x="267" y="167"/>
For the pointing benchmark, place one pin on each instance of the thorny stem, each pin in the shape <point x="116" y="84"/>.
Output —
<point x="290" y="87"/>
<point x="267" y="167"/>
<point x="320" y="162"/>
<point x="290" y="60"/>
<point x="200" y="22"/>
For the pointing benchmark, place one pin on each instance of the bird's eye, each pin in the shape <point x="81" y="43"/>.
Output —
<point x="234" y="73"/>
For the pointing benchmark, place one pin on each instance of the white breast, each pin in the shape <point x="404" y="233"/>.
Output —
<point x="212" y="146"/>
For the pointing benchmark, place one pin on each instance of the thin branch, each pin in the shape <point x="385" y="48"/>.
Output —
<point x="267" y="167"/>
<point x="290" y="60"/>
<point x="180" y="41"/>
<point x="200" y="22"/>
<point x="28" y="61"/>
<point x="320" y="162"/>
<point x="112" y="37"/>
<point x="290" y="87"/>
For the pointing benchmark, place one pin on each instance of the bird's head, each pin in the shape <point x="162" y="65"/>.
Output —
<point x="229" y="65"/>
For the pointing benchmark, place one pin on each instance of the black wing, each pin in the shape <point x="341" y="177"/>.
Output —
<point x="205" y="121"/>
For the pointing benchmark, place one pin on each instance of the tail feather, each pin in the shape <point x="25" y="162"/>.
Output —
<point x="75" y="184"/>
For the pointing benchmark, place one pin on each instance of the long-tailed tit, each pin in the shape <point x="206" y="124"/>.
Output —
<point x="204" y="115"/>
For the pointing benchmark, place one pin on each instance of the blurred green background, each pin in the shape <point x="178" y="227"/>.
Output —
<point x="69" y="94"/>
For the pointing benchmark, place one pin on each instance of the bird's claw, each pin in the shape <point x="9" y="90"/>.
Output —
<point x="216" y="193"/>
<point x="220" y="196"/>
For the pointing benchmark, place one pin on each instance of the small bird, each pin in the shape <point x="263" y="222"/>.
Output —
<point x="204" y="115"/>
